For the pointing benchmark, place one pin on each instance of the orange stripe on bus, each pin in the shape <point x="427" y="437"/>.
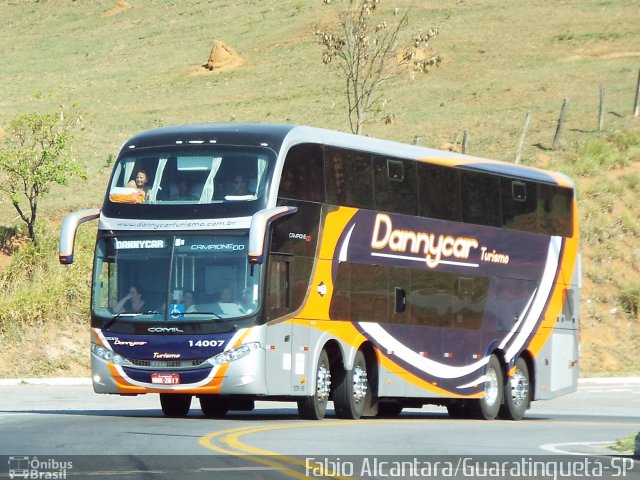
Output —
<point x="558" y="296"/>
<point x="316" y="305"/>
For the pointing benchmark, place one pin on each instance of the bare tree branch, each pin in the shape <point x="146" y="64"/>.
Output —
<point x="368" y="55"/>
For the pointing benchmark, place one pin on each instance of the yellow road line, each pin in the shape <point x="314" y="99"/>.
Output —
<point x="279" y="462"/>
<point x="284" y="463"/>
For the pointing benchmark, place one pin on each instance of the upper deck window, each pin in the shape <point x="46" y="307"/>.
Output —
<point x="189" y="175"/>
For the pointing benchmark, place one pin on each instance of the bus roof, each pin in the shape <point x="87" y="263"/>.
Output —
<point x="276" y="136"/>
<point x="212" y="133"/>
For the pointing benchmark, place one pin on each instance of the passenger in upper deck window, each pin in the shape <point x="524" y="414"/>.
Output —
<point x="240" y="186"/>
<point x="140" y="181"/>
<point x="184" y="192"/>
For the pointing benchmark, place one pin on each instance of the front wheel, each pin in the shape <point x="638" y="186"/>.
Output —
<point x="315" y="406"/>
<point x="175" y="404"/>
<point x="517" y="393"/>
<point x="486" y="408"/>
<point x="352" y="390"/>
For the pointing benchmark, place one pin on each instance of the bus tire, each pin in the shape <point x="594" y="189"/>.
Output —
<point x="517" y="393"/>
<point x="175" y="404"/>
<point x="314" y="407"/>
<point x="487" y="407"/>
<point x="352" y="391"/>
<point x="214" y="405"/>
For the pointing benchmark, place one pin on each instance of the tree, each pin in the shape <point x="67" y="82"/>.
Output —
<point x="368" y="54"/>
<point x="36" y="154"/>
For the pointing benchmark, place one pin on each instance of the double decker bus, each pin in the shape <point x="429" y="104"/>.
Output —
<point x="244" y="262"/>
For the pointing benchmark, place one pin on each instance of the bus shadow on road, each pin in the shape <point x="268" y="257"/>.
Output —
<point x="279" y="414"/>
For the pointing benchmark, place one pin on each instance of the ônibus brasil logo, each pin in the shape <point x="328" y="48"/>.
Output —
<point x="33" y="467"/>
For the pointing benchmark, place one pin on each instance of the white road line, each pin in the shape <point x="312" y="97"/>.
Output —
<point x="557" y="447"/>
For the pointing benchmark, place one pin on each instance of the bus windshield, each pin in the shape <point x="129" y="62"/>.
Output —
<point x="174" y="277"/>
<point x="190" y="175"/>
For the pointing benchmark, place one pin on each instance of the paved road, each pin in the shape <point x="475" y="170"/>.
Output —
<point x="123" y="436"/>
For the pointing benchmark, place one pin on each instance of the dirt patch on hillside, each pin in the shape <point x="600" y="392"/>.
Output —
<point x="119" y="7"/>
<point x="600" y="52"/>
<point x="52" y="350"/>
<point x="4" y="261"/>
<point x="221" y="59"/>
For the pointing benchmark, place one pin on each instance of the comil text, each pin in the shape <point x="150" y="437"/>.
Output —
<point x="434" y="247"/>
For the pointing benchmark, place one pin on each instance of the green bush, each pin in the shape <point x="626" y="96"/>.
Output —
<point x="37" y="289"/>
<point x="629" y="299"/>
<point x="594" y="156"/>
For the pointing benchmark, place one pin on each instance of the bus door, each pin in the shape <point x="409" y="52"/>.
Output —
<point x="280" y="361"/>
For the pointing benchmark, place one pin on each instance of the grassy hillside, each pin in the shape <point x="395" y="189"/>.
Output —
<point x="130" y="69"/>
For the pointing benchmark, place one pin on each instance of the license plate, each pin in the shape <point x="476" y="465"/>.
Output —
<point x="165" y="378"/>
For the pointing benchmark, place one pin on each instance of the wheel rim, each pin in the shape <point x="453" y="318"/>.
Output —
<point x="359" y="383"/>
<point x="519" y="388"/>
<point x="323" y="382"/>
<point x="491" y="389"/>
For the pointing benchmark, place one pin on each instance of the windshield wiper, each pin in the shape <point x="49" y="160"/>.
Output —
<point x="115" y="318"/>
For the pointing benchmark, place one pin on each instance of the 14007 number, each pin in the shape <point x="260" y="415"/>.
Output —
<point x="206" y="343"/>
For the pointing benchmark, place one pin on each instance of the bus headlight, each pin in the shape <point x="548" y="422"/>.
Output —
<point x="108" y="355"/>
<point x="234" y="354"/>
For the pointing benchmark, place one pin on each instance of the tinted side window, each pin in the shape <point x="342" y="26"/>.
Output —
<point x="469" y="301"/>
<point x="395" y="185"/>
<point x="555" y="212"/>
<point x="349" y="178"/>
<point x="303" y="174"/>
<point x="430" y="299"/>
<point x="340" y="308"/>
<point x="369" y="287"/>
<point x="519" y="204"/>
<point x="439" y="192"/>
<point x="279" y="294"/>
<point x="302" y="268"/>
<point x="481" y="199"/>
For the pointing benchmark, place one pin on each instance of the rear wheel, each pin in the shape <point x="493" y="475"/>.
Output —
<point x="517" y="393"/>
<point x="486" y="408"/>
<point x="352" y="390"/>
<point x="315" y="406"/>
<point x="214" y="405"/>
<point x="175" y="404"/>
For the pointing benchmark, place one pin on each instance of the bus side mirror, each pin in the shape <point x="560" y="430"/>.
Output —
<point x="260" y="222"/>
<point x="68" y="230"/>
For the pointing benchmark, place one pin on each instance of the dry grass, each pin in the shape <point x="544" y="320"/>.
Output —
<point x="129" y="65"/>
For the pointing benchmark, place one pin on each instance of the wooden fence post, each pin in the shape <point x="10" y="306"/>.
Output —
<point x="602" y="108"/>
<point x="563" y="111"/>
<point x="636" y="106"/>
<point x="525" y="126"/>
<point x="465" y="141"/>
